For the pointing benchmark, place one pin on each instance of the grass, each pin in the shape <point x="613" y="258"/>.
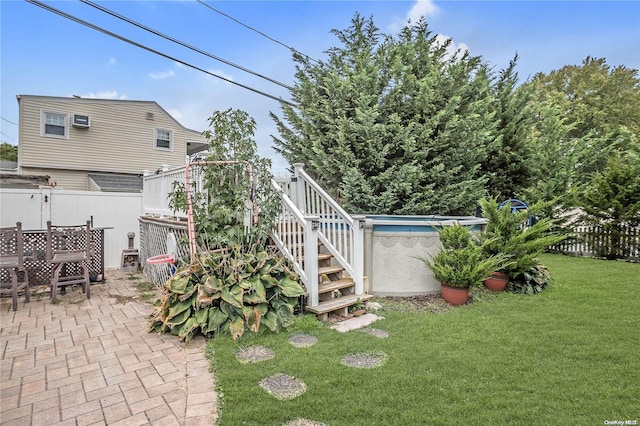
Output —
<point x="568" y="355"/>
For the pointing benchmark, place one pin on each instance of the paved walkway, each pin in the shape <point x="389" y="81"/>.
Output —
<point x="91" y="362"/>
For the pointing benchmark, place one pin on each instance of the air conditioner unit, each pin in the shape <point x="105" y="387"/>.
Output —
<point x="81" y="121"/>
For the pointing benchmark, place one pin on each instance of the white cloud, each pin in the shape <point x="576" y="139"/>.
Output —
<point x="161" y="75"/>
<point x="453" y="47"/>
<point x="106" y="94"/>
<point x="111" y="62"/>
<point x="419" y="9"/>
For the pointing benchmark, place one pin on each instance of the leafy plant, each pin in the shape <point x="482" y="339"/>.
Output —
<point x="230" y="291"/>
<point x="531" y="281"/>
<point x="235" y="283"/>
<point x="514" y="235"/>
<point x="461" y="262"/>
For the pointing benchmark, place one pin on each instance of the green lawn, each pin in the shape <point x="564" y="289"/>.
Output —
<point x="570" y="355"/>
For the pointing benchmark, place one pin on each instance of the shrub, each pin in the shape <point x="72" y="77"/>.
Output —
<point x="232" y="291"/>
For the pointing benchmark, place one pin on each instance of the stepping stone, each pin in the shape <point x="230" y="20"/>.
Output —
<point x="383" y="334"/>
<point x="365" y="360"/>
<point x="254" y="354"/>
<point x="303" y="422"/>
<point x="282" y="386"/>
<point x="355" y="322"/>
<point x="301" y="340"/>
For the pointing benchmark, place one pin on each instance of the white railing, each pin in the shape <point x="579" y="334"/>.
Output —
<point x="296" y="235"/>
<point x="156" y="189"/>
<point x="341" y="233"/>
<point x="308" y="215"/>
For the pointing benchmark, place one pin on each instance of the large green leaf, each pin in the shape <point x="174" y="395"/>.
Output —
<point x="205" y="299"/>
<point x="291" y="288"/>
<point x="216" y="319"/>
<point x="236" y="327"/>
<point x="233" y="296"/>
<point x="188" y="329"/>
<point x="178" y="308"/>
<point x="202" y="316"/>
<point x="178" y="284"/>
<point x="268" y="280"/>
<point x="270" y="319"/>
<point x="178" y="319"/>
<point x="258" y="295"/>
<point x="213" y="284"/>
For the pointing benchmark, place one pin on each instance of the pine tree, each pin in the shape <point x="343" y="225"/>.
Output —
<point x="392" y="124"/>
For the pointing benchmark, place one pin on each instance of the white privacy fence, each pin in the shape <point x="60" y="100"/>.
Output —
<point x="117" y="212"/>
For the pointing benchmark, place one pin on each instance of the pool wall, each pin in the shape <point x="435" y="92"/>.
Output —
<point x="391" y="244"/>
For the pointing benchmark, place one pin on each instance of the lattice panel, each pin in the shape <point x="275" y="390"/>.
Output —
<point x="35" y="249"/>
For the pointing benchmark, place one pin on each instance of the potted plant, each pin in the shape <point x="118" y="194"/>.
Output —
<point x="515" y="235"/>
<point x="461" y="263"/>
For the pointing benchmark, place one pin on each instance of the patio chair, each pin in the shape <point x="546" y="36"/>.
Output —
<point x="69" y="248"/>
<point x="12" y="259"/>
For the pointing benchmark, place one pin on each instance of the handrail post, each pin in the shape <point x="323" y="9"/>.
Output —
<point x="298" y="181"/>
<point x="164" y="191"/>
<point x="358" y="252"/>
<point x="311" y="258"/>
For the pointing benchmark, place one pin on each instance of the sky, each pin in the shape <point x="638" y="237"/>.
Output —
<point x="42" y="53"/>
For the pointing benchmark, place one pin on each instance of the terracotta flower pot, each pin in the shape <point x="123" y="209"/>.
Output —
<point x="455" y="296"/>
<point x="497" y="281"/>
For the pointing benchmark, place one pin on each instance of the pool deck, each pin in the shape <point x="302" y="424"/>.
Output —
<point x="91" y="362"/>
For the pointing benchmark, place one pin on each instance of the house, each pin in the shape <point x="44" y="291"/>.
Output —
<point x="100" y="144"/>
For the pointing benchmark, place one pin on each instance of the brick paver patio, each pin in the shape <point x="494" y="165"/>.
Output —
<point x="91" y="362"/>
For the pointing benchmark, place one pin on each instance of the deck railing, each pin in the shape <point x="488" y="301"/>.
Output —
<point x="308" y="216"/>
<point x="341" y="233"/>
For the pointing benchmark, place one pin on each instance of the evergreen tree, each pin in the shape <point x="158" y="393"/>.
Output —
<point x="509" y="165"/>
<point x="392" y="124"/>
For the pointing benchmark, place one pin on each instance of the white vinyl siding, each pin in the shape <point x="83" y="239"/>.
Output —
<point x="54" y="125"/>
<point x="163" y="140"/>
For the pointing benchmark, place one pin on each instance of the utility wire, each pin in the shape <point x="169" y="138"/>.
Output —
<point x="257" y="31"/>
<point x="195" y="49"/>
<point x="2" y="133"/>
<point x="15" y="124"/>
<point x="119" y="37"/>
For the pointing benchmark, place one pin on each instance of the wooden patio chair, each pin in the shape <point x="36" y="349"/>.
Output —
<point x="12" y="259"/>
<point x="69" y="247"/>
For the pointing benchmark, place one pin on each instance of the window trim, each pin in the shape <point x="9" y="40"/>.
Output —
<point x="155" y="139"/>
<point x="43" y="124"/>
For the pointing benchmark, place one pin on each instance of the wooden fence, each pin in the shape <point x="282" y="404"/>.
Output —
<point x="594" y="241"/>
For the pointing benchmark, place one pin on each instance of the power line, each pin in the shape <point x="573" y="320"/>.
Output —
<point x="4" y="134"/>
<point x="119" y="37"/>
<point x="257" y="31"/>
<point x="11" y="122"/>
<point x="195" y="49"/>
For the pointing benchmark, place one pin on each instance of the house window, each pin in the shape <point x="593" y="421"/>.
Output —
<point x="163" y="139"/>
<point x="55" y="125"/>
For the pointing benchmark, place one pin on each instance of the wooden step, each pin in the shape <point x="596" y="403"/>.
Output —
<point x="341" y="302"/>
<point x="327" y="270"/>
<point x="324" y="256"/>
<point x="328" y="286"/>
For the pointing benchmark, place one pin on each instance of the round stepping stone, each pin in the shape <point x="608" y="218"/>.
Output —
<point x="302" y="340"/>
<point x="362" y="360"/>
<point x="303" y="422"/>
<point x="376" y="332"/>
<point x="282" y="386"/>
<point x="254" y="354"/>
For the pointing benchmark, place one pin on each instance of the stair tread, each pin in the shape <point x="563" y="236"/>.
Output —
<point x="329" y="269"/>
<point x="341" y="302"/>
<point x="334" y="285"/>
